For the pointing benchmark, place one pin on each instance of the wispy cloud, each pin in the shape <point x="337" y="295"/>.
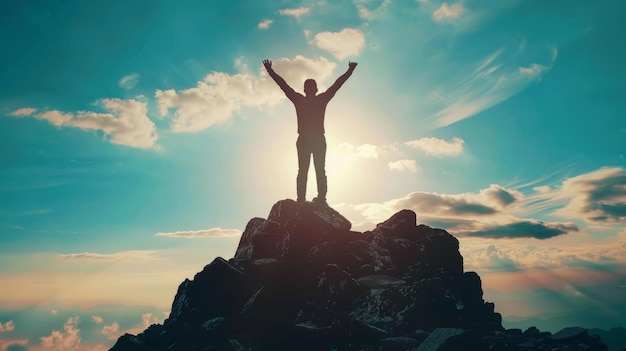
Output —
<point x="295" y="12"/>
<point x="490" y="82"/>
<point x="129" y="81"/>
<point x="206" y="233"/>
<point x="126" y="123"/>
<point x="218" y="96"/>
<point x="438" y="147"/>
<point x="343" y="44"/>
<point x="349" y="151"/>
<point x="598" y="197"/>
<point x="403" y="165"/>
<point x="132" y="255"/>
<point x="4" y="213"/>
<point x="7" y="326"/>
<point x="23" y="112"/>
<point x="446" y="11"/>
<point x="371" y="13"/>
<point x="97" y="319"/>
<point x="265" y="24"/>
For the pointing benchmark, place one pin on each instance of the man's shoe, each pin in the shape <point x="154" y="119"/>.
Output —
<point x="300" y="200"/>
<point x="320" y="202"/>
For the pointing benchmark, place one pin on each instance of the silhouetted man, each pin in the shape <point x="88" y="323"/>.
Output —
<point x="310" y="110"/>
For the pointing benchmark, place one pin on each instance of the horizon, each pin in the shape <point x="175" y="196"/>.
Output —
<point x="139" y="138"/>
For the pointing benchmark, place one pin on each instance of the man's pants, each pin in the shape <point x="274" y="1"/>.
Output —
<point x="308" y="144"/>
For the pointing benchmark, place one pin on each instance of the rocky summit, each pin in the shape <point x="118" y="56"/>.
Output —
<point x="302" y="280"/>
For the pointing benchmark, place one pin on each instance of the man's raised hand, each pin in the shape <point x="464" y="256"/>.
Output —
<point x="352" y="65"/>
<point x="267" y="64"/>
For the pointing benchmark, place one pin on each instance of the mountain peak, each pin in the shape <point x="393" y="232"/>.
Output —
<point x="302" y="280"/>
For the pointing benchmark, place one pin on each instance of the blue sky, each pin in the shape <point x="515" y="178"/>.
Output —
<point x="138" y="138"/>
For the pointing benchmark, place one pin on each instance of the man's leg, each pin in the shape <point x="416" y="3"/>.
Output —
<point x="304" y="159"/>
<point x="319" y="160"/>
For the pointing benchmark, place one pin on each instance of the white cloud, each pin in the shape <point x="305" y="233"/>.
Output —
<point x="67" y="339"/>
<point x="367" y="13"/>
<point x="219" y="95"/>
<point x="447" y="12"/>
<point x="129" y="81"/>
<point x="131" y="255"/>
<point x="295" y="12"/>
<point x="533" y="70"/>
<point x="345" y="43"/>
<point x="542" y="189"/>
<point x="23" y="112"/>
<point x="265" y="24"/>
<point x="597" y="197"/>
<point x="403" y="165"/>
<point x="97" y="319"/>
<point x="206" y="233"/>
<point x="503" y="255"/>
<point x="55" y="117"/>
<point x="54" y="312"/>
<point x="438" y="147"/>
<point x="113" y="331"/>
<point x="7" y="326"/>
<point x="490" y="82"/>
<point x="126" y="123"/>
<point x="350" y="151"/>
<point x="6" y="343"/>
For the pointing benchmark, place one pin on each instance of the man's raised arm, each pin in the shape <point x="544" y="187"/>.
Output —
<point x="279" y="80"/>
<point x="342" y="79"/>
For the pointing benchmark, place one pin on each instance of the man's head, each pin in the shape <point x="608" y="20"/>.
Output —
<point x="310" y="87"/>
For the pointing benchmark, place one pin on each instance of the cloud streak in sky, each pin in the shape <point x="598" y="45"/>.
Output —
<point x="206" y="233"/>
<point x="598" y="197"/>
<point x="295" y="12"/>
<point x="491" y="81"/>
<point x="125" y="123"/>
<point x="132" y="255"/>
<point x="437" y="147"/>
<point x="23" y="112"/>
<point x="129" y="81"/>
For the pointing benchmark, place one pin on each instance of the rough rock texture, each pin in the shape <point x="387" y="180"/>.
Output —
<point x="301" y="280"/>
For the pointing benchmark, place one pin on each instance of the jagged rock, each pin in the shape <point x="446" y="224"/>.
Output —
<point x="571" y="334"/>
<point x="204" y="298"/>
<point x="302" y="280"/>
<point x="532" y="332"/>
<point x="398" y="344"/>
<point x="452" y="339"/>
